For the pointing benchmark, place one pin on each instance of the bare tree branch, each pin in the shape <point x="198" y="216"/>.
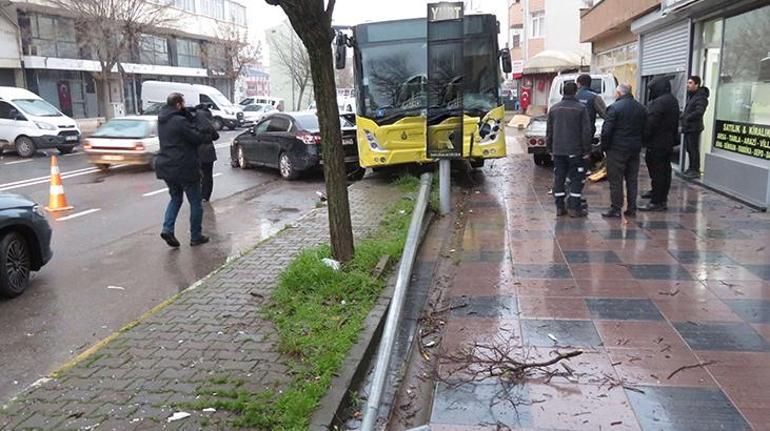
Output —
<point x="330" y="10"/>
<point x="294" y="60"/>
<point x="238" y="53"/>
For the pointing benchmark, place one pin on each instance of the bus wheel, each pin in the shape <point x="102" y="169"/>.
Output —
<point x="477" y="163"/>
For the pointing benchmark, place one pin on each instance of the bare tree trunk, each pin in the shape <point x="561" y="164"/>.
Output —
<point x="333" y="155"/>
<point x="232" y="91"/>
<point x="103" y="99"/>
<point x="299" y="100"/>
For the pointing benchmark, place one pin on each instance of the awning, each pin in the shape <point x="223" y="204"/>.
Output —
<point x="551" y="61"/>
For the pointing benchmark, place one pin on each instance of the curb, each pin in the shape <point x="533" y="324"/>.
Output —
<point x="355" y="367"/>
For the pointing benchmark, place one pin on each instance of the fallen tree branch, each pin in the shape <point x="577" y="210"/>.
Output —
<point x="687" y="367"/>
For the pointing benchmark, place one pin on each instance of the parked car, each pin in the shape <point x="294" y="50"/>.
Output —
<point x="254" y="112"/>
<point x="29" y="123"/>
<point x="224" y="112"/>
<point x="25" y="243"/>
<point x="275" y="102"/>
<point x="126" y="140"/>
<point x="291" y="142"/>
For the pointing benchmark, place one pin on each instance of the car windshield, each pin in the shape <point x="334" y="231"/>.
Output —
<point x="310" y="123"/>
<point x="220" y="100"/>
<point x="254" y="108"/>
<point x="37" y="107"/>
<point x="153" y="109"/>
<point x="123" y="129"/>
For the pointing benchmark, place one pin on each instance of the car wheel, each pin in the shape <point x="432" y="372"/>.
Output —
<point x="217" y="123"/>
<point x="15" y="265"/>
<point x="65" y="150"/>
<point x="242" y="162"/>
<point x="542" y="159"/>
<point x="286" y="166"/>
<point x="104" y="167"/>
<point x="25" y="147"/>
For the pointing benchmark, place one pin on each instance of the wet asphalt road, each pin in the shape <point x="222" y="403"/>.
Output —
<point x="110" y="266"/>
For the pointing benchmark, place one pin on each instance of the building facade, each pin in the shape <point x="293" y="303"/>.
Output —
<point x="541" y="31"/>
<point x="56" y="67"/>
<point x="727" y="44"/>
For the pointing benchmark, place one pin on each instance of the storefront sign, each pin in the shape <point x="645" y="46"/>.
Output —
<point x="748" y="139"/>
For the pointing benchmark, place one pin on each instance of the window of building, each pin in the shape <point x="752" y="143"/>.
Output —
<point x="213" y="8"/>
<point x="743" y="89"/>
<point x="49" y="36"/>
<point x="237" y="13"/>
<point x="517" y="33"/>
<point x="153" y="49"/>
<point x="215" y="57"/>
<point x="188" y="5"/>
<point x="537" y="24"/>
<point x="188" y="53"/>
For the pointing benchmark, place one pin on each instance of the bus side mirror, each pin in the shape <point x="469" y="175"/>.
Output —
<point x="341" y="53"/>
<point x="505" y="57"/>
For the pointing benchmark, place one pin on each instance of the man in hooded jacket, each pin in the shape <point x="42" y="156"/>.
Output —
<point x="661" y="135"/>
<point x="692" y="123"/>
<point x="177" y="164"/>
<point x="207" y="154"/>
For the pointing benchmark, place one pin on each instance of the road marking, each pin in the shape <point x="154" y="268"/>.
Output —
<point x="218" y="174"/>
<point x="156" y="192"/>
<point x="116" y="288"/>
<point x="73" y="154"/>
<point x="80" y="214"/>
<point x="45" y="179"/>
<point x="19" y="161"/>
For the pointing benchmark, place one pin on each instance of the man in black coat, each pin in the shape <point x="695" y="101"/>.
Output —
<point x="568" y="138"/>
<point x="692" y="123"/>
<point x="622" y="141"/>
<point x="178" y="165"/>
<point x="207" y="154"/>
<point x="661" y="135"/>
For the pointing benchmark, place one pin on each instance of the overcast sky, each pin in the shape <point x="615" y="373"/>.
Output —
<point x="352" y="12"/>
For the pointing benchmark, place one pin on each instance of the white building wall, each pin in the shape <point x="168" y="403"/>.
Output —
<point x="562" y="23"/>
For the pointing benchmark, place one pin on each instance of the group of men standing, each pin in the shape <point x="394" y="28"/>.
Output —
<point x="628" y="127"/>
<point x="185" y="162"/>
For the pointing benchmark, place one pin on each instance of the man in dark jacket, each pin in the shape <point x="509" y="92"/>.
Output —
<point x="177" y="164"/>
<point x="622" y="141"/>
<point x="568" y="138"/>
<point x="661" y="135"/>
<point x="207" y="154"/>
<point x="692" y="123"/>
<point x="593" y="102"/>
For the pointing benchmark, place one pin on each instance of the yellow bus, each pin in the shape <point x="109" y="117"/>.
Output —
<point x="391" y="76"/>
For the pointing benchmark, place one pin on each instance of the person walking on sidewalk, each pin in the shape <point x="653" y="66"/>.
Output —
<point x="661" y="135"/>
<point x="692" y="123"/>
<point x="622" y="142"/>
<point x="568" y="139"/>
<point x="207" y="154"/>
<point x="177" y="164"/>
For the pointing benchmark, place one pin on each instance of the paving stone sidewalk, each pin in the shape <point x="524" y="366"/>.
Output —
<point x="136" y="381"/>
<point x="671" y="309"/>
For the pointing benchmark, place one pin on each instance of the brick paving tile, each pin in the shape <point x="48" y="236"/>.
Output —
<point x="147" y="372"/>
<point x="671" y="310"/>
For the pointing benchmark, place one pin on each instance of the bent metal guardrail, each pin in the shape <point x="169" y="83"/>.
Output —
<point x="397" y="303"/>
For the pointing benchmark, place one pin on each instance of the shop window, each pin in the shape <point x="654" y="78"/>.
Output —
<point x="743" y="94"/>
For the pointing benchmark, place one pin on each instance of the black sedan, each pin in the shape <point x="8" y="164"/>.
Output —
<point x="291" y="142"/>
<point x="25" y="243"/>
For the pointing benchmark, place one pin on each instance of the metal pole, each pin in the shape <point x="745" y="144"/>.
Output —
<point x="444" y="186"/>
<point x="396" y="304"/>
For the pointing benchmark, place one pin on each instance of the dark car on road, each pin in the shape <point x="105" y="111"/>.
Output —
<point x="291" y="142"/>
<point x="25" y="243"/>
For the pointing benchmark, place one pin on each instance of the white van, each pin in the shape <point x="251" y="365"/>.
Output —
<point x="29" y="123"/>
<point x="275" y="102"/>
<point x="224" y="112"/>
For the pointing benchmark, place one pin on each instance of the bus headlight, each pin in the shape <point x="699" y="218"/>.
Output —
<point x="372" y="141"/>
<point x="489" y="131"/>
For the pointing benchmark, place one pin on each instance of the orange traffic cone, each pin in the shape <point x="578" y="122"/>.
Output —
<point x="56" y="201"/>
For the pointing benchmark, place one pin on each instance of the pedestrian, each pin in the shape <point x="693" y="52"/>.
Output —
<point x="177" y="164"/>
<point x="692" y="123"/>
<point x="622" y="142"/>
<point x="596" y="107"/>
<point x="568" y="139"/>
<point x="207" y="154"/>
<point x="661" y="135"/>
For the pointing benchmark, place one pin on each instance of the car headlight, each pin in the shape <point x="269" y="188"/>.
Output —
<point x="37" y="210"/>
<point x="45" y="126"/>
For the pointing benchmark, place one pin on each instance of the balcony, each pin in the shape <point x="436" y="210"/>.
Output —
<point x="610" y="16"/>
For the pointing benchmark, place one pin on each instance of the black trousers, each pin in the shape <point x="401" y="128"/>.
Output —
<point x="207" y="180"/>
<point x="622" y="166"/>
<point x="692" y="145"/>
<point x="572" y="167"/>
<point x="659" y="166"/>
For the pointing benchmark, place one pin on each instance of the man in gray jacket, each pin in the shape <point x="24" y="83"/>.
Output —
<point x="568" y="139"/>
